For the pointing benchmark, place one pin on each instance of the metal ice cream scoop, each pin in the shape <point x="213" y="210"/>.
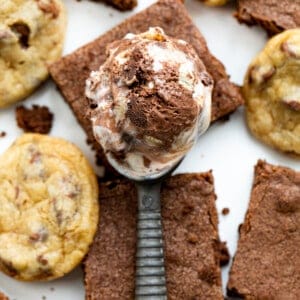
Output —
<point x="150" y="100"/>
<point x="150" y="276"/>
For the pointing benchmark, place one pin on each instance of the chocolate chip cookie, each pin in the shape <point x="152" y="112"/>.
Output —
<point x="31" y="37"/>
<point x="48" y="208"/>
<point x="272" y="92"/>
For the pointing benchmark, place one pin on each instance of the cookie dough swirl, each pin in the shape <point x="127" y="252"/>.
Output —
<point x="272" y="93"/>
<point x="48" y="208"/>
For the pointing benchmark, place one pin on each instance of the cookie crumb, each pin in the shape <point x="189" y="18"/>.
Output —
<point x="2" y="134"/>
<point x="225" y="211"/>
<point x="38" y="119"/>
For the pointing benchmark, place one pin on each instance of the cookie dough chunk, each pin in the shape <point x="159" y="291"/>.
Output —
<point x="214" y="2"/>
<point x="272" y="92"/>
<point x="31" y="36"/>
<point x="267" y="262"/>
<point x="48" y="208"/>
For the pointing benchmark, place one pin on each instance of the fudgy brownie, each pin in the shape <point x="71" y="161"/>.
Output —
<point x="3" y="297"/>
<point x="71" y="71"/>
<point x="121" y="4"/>
<point x="192" y="245"/>
<point x="267" y="262"/>
<point x="37" y="119"/>
<point x="273" y="15"/>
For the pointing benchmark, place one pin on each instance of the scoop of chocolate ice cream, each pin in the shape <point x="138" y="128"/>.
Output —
<point x="149" y="102"/>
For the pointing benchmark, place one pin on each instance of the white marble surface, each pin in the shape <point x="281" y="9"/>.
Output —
<point x="227" y="148"/>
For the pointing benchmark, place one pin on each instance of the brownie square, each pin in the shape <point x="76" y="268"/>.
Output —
<point x="267" y="262"/>
<point x="192" y="245"/>
<point x="71" y="71"/>
<point x="273" y="15"/>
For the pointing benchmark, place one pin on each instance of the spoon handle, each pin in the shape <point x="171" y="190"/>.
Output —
<point x="150" y="279"/>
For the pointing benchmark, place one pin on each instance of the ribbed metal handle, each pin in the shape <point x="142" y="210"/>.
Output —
<point x="150" y="279"/>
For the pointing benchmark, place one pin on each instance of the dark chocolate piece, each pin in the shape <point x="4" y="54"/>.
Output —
<point x="71" y="71"/>
<point x="267" y="262"/>
<point x="192" y="245"/>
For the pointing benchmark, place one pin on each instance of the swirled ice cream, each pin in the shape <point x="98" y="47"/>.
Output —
<point x="149" y="102"/>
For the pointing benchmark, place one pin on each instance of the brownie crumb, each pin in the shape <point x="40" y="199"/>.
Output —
<point x="225" y="211"/>
<point x="2" y="134"/>
<point x="224" y="254"/>
<point x="37" y="119"/>
<point x="121" y="5"/>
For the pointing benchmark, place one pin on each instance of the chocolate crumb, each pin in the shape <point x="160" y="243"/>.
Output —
<point x="224" y="254"/>
<point x="225" y="211"/>
<point x="2" y="134"/>
<point x="121" y="5"/>
<point x="38" y="119"/>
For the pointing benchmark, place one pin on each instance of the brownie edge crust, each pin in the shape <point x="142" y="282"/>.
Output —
<point x="192" y="245"/>
<point x="267" y="261"/>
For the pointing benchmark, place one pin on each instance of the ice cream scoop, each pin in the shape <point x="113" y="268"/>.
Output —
<point x="149" y="102"/>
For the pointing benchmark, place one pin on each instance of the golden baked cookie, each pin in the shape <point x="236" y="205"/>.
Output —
<point x="31" y="37"/>
<point x="48" y="207"/>
<point x="214" y="2"/>
<point x="272" y="92"/>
